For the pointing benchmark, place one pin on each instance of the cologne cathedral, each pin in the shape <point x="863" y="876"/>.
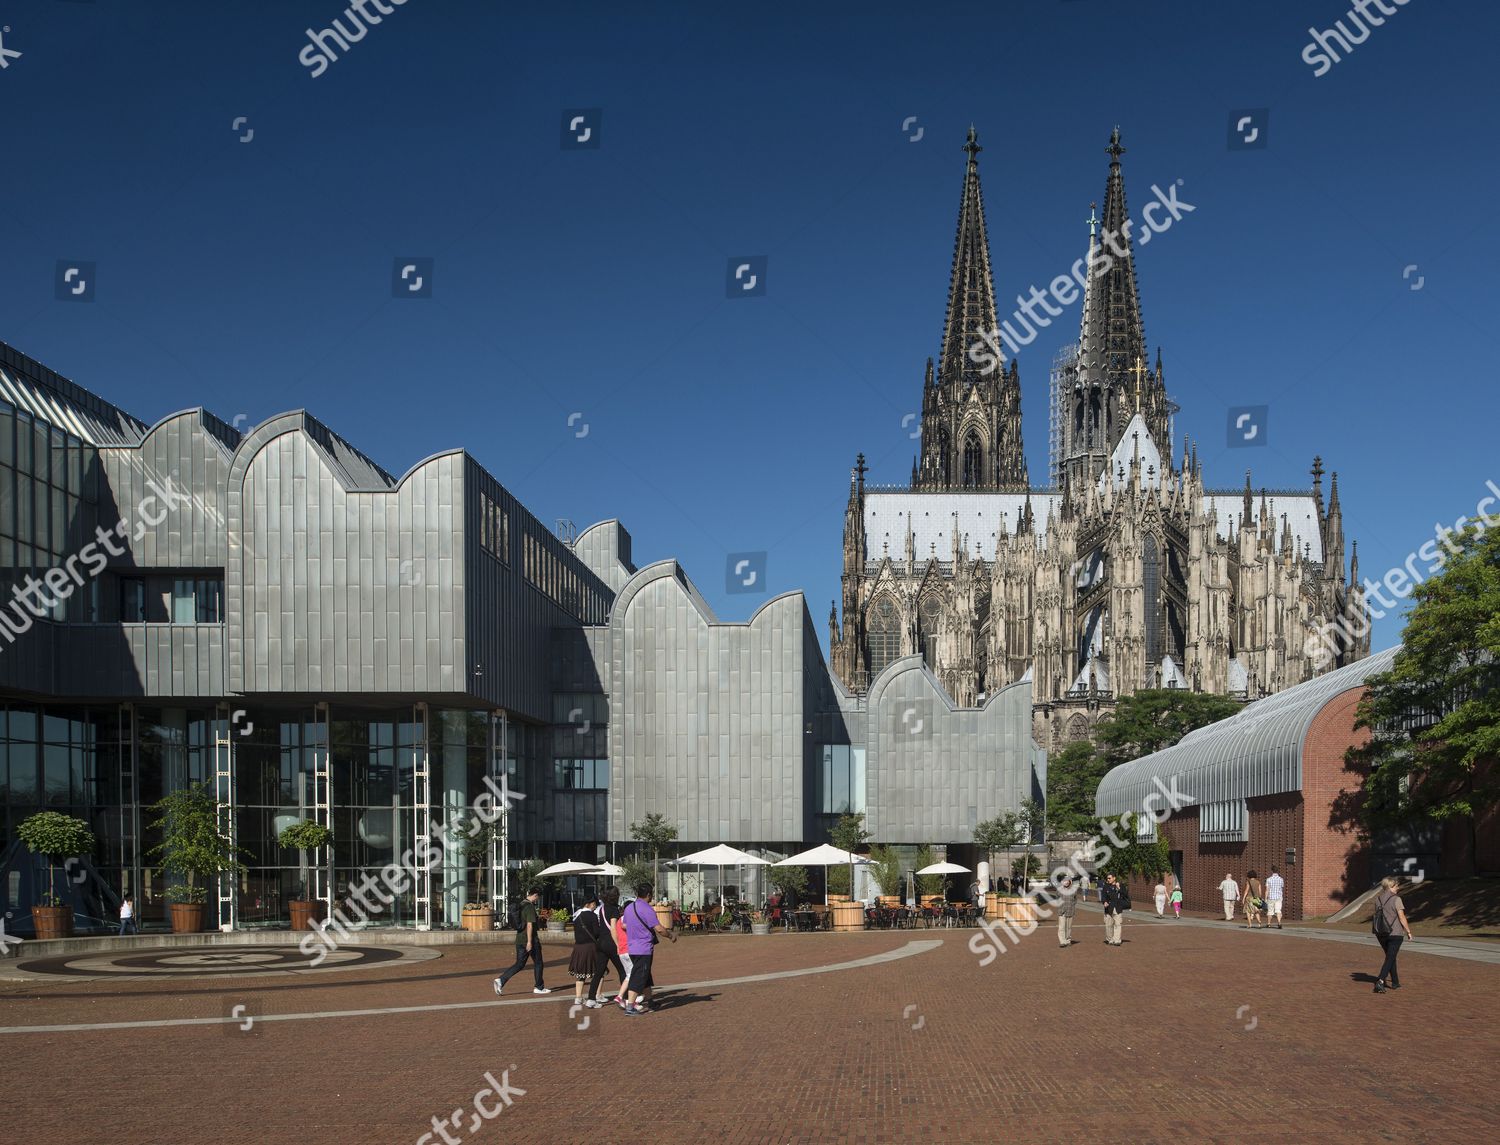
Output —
<point x="1124" y="572"/>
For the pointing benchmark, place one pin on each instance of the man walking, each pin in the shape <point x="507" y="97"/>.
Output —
<point x="1231" y="892"/>
<point x="1116" y="902"/>
<point x="1275" y="890"/>
<point x="641" y="930"/>
<point x="528" y="945"/>
<point x="1067" y="907"/>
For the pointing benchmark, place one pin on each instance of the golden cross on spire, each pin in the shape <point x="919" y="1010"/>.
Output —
<point x="1140" y="368"/>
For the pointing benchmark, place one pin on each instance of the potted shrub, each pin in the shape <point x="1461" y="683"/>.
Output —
<point x="304" y="835"/>
<point x="57" y="837"/>
<point x="886" y="869"/>
<point x="192" y="845"/>
<point x="475" y="837"/>
<point x="556" y="918"/>
<point x="759" y="923"/>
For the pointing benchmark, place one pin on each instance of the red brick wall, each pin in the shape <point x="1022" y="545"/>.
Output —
<point x="1335" y="864"/>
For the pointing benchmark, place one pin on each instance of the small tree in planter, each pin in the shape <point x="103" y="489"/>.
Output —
<point x="848" y="834"/>
<point x="475" y="838"/>
<point x="655" y="832"/>
<point x="57" y="837"/>
<point x="928" y="884"/>
<point x="305" y="835"/>
<point x="886" y="867"/>
<point x="192" y="845"/>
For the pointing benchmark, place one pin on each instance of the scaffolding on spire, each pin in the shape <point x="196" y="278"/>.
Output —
<point x="1064" y="364"/>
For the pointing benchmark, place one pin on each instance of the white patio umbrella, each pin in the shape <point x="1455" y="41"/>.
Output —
<point x="825" y="855"/>
<point x="944" y="869"/>
<point x="606" y="870"/>
<point x="721" y="856"/>
<point x="569" y="868"/>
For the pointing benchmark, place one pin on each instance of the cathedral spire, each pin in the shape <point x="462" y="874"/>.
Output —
<point x="971" y="288"/>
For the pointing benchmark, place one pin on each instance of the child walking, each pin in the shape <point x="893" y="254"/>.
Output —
<point x="1177" y="902"/>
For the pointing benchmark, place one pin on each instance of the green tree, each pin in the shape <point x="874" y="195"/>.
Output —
<point x="886" y="867"/>
<point x="928" y="884"/>
<point x="1006" y="830"/>
<point x="656" y="833"/>
<point x="1150" y="859"/>
<point x="55" y="836"/>
<point x="1151" y="720"/>
<point x="1073" y="776"/>
<point x="474" y="836"/>
<point x="848" y="834"/>
<point x="635" y="870"/>
<point x="793" y="881"/>
<point x="192" y="844"/>
<point x="1434" y="718"/>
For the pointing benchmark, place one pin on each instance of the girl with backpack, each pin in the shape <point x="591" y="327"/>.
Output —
<point x="1389" y="912"/>
<point x="584" y="963"/>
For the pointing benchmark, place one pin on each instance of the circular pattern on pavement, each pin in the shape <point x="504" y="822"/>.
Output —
<point x="217" y="961"/>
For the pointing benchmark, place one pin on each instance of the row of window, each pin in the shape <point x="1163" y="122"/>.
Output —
<point x="178" y="600"/>
<point x="581" y="774"/>
<point x="559" y="582"/>
<point x="494" y="528"/>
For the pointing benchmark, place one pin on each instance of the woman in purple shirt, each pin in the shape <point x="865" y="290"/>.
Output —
<point x="641" y="929"/>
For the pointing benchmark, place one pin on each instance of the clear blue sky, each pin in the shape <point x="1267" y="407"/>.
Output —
<point x="257" y="277"/>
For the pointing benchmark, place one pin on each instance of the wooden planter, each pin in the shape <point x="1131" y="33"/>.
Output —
<point x="848" y="916"/>
<point x="187" y="917"/>
<point x="1017" y="910"/>
<point x="52" y="921"/>
<point x="837" y="898"/>
<point x="891" y="901"/>
<point x="932" y="900"/>
<point x="479" y="918"/>
<point x="304" y="911"/>
<point x="664" y="916"/>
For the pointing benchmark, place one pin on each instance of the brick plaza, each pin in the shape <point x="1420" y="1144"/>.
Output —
<point x="1195" y="1033"/>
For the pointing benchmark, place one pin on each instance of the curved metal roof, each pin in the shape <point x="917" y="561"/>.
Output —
<point x="1257" y="751"/>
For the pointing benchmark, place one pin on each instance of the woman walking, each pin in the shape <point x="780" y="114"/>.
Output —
<point x="1254" y="900"/>
<point x="1177" y="901"/>
<point x="1390" y="914"/>
<point x="611" y="943"/>
<point x="584" y="964"/>
<point x="1161" y="899"/>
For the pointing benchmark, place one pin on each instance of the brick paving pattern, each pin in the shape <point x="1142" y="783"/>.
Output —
<point x="1155" y="1041"/>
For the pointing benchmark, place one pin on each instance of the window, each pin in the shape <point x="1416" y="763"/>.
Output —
<point x="133" y="599"/>
<point x="973" y="461"/>
<point x="581" y="774"/>
<point x="494" y="528"/>
<point x="842" y="780"/>
<point x="884" y="635"/>
<point x="1225" y="822"/>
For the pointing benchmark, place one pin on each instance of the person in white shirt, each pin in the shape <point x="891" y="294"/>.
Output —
<point x="1275" y="891"/>
<point x="127" y="915"/>
<point x="1231" y="892"/>
<point x="1161" y="900"/>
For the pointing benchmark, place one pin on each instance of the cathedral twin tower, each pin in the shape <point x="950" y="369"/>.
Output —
<point x="1124" y="573"/>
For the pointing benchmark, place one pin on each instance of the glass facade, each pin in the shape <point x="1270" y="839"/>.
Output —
<point x="107" y="765"/>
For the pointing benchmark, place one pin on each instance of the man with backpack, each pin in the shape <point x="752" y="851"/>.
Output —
<point x="528" y="924"/>
<point x="1116" y="899"/>
<point x="1389" y="912"/>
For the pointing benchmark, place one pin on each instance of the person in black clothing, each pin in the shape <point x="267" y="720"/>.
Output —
<point x="583" y="966"/>
<point x="609" y="951"/>
<point x="1390" y="916"/>
<point x="528" y="945"/>
<point x="1116" y="902"/>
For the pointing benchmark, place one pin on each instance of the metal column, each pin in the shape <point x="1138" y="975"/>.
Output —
<point x="322" y="807"/>
<point x="500" y="840"/>
<point x="421" y="888"/>
<point x="226" y="794"/>
<point x="130" y="810"/>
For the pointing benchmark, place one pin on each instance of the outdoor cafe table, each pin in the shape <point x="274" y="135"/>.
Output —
<point x="805" y="919"/>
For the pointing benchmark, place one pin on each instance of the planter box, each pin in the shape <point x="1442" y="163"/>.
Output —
<point x="1012" y="909"/>
<point x="891" y="901"/>
<point x="187" y="917"/>
<point x="848" y="916"/>
<point x="554" y="926"/>
<point x="52" y="921"/>
<point x="304" y="911"/>
<point x="481" y="919"/>
<point x="760" y="927"/>
<point x="664" y="916"/>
